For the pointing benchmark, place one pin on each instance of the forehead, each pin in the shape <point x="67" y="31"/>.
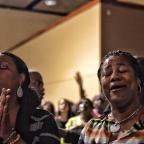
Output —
<point x="63" y="101"/>
<point x="35" y="76"/>
<point x="116" y="60"/>
<point x="7" y="59"/>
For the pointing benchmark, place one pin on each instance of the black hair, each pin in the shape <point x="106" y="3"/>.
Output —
<point x="87" y="102"/>
<point x="99" y="97"/>
<point x="51" y="106"/>
<point x="131" y="60"/>
<point x="141" y="63"/>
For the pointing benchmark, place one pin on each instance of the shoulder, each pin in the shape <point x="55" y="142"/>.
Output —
<point x="73" y="122"/>
<point x="42" y="120"/>
<point x="39" y="114"/>
<point x="74" y="118"/>
<point x="96" y="122"/>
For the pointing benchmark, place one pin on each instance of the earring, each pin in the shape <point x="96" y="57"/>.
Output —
<point x="19" y="91"/>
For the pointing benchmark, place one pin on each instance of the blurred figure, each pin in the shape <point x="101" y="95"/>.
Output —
<point x="48" y="106"/>
<point x="37" y="84"/>
<point x="75" y="124"/>
<point x="99" y="105"/>
<point x="64" y="112"/>
<point x="79" y="81"/>
<point x="85" y="108"/>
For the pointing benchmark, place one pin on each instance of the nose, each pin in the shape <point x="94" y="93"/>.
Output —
<point x="115" y="76"/>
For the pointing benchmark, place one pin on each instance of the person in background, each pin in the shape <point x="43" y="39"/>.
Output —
<point x="49" y="106"/>
<point x="75" y="124"/>
<point x="85" y="114"/>
<point x="79" y="80"/>
<point x="99" y="105"/>
<point x="20" y="121"/>
<point x="99" y="101"/>
<point x="122" y="83"/>
<point x="64" y="112"/>
<point x="37" y="84"/>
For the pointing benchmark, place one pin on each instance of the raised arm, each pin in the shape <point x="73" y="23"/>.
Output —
<point x="79" y="81"/>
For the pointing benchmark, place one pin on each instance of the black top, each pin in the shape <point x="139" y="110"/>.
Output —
<point x="61" y="124"/>
<point x="38" y="128"/>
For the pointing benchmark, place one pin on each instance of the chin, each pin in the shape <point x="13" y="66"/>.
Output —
<point x="118" y="103"/>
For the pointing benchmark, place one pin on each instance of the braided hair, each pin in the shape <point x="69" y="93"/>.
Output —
<point x="131" y="60"/>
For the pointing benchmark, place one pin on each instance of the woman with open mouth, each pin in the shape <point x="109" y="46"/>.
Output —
<point x="121" y="82"/>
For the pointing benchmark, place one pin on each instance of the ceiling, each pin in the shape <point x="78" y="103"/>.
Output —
<point x="22" y="19"/>
<point x="55" y="7"/>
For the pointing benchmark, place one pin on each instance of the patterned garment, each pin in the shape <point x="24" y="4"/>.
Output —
<point x="97" y="132"/>
<point x="40" y="129"/>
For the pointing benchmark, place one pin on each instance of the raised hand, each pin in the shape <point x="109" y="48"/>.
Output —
<point x="78" y="78"/>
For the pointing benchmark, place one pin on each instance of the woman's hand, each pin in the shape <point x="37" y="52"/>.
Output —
<point x="78" y="78"/>
<point x="5" y="127"/>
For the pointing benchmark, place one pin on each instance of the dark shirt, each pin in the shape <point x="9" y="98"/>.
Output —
<point x="72" y="136"/>
<point x="61" y="124"/>
<point x="39" y="128"/>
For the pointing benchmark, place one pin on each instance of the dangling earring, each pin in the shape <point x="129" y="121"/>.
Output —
<point x="19" y="91"/>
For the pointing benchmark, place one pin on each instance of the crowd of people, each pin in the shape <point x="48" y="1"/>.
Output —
<point x="116" y="116"/>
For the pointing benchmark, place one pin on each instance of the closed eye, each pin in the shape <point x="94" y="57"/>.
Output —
<point x="3" y="66"/>
<point x="106" y="72"/>
<point x="123" y="69"/>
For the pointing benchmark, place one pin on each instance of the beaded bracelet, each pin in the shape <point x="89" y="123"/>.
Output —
<point x="12" y="138"/>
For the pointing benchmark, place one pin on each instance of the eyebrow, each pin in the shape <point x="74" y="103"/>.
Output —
<point x="119" y="64"/>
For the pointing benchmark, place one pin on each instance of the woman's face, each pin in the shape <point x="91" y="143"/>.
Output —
<point x="63" y="105"/>
<point x="9" y="77"/>
<point x="119" y="82"/>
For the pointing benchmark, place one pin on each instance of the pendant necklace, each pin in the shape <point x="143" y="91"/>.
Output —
<point x="114" y="128"/>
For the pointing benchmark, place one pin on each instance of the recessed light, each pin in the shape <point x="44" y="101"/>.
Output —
<point x="50" y="2"/>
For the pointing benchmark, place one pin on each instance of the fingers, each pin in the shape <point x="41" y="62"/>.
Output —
<point x="5" y="110"/>
<point x="4" y="93"/>
<point x="4" y="98"/>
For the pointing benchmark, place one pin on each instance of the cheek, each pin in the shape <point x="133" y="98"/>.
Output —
<point x="105" y="87"/>
<point x="8" y="80"/>
<point x="105" y="83"/>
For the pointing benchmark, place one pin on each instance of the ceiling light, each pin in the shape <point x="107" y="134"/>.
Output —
<point x="50" y="2"/>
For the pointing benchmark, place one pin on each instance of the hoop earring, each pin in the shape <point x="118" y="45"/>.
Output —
<point x="19" y="91"/>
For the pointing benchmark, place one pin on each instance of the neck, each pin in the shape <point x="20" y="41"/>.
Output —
<point x="120" y="115"/>
<point x="64" y="116"/>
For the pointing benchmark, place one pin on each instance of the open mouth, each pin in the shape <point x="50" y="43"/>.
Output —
<point x="115" y="88"/>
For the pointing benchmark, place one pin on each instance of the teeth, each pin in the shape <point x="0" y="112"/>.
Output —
<point x="116" y="88"/>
